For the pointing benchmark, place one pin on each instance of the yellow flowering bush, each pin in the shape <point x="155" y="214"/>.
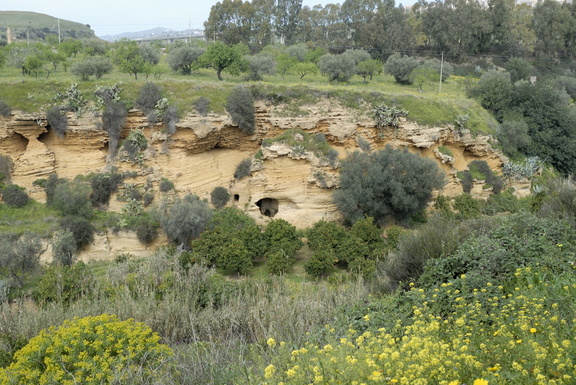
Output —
<point x="518" y="337"/>
<point x="91" y="350"/>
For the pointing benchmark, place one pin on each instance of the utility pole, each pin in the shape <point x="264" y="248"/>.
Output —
<point x="59" y="36"/>
<point x="441" y="68"/>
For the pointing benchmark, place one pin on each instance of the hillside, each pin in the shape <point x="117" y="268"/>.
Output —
<point x="39" y="25"/>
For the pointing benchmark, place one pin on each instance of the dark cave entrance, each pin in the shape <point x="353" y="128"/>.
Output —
<point x="268" y="206"/>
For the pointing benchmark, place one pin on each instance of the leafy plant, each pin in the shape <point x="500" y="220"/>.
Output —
<point x="388" y="116"/>
<point x="240" y="106"/>
<point x="98" y="349"/>
<point x="243" y="169"/>
<point x="57" y="121"/>
<point x="219" y="197"/>
<point x="14" y="195"/>
<point x="5" y="109"/>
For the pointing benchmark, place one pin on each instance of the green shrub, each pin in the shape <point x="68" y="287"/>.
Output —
<point x="235" y="257"/>
<point x="467" y="206"/>
<point x="166" y="185"/>
<point x="400" y="67"/>
<point x="281" y="235"/>
<point x="494" y="254"/>
<point x="147" y="230"/>
<point x="240" y="106"/>
<point x="5" y="169"/>
<point x="113" y="119"/>
<point x="185" y="220"/>
<point x="219" y="197"/>
<point x="5" y="109"/>
<point x="202" y="105"/>
<point x="64" y="248"/>
<point x="388" y="183"/>
<point x="80" y="227"/>
<point x="467" y="181"/>
<point x="57" y="120"/>
<point x="243" y="169"/>
<point x="64" y="284"/>
<point x="278" y="262"/>
<point x="132" y="146"/>
<point x="15" y="196"/>
<point x="92" y="65"/>
<point x="91" y="350"/>
<point x="338" y="68"/>
<point x="50" y="187"/>
<point x="73" y="198"/>
<point x="320" y="263"/>
<point x="103" y="186"/>
<point x="19" y="256"/>
<point x="439" y="237"/>
<point x="388" y="116"/>
<point x="149" y="95"/>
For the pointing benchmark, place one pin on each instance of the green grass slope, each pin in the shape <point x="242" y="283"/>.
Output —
<point x="40" y="25"/>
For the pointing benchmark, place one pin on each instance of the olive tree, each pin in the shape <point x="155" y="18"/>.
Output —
<point x="184" y="220"/>
<point x="338" y="68"/>
<point x="388" y="183"/>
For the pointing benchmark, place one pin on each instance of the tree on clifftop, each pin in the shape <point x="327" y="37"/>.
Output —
<point x="388" y="183"/>
<point x="223" y="57"/>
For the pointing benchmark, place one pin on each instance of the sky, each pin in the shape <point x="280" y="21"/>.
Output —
<point x="111" y="17"/>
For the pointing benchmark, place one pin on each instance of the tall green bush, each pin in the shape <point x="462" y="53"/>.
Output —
<point x="240" y="106"/>
<point x="390" y="183"/>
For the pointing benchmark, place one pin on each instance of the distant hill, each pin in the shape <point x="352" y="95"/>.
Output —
<point x="38" y="25"/>
<point x="154" y="33"/>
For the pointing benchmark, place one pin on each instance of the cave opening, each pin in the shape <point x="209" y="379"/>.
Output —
<point x="236" y="198"/>
<point x="268" y="206"/>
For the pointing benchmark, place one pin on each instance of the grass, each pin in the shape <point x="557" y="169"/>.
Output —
<point x="34" y="217"/>
<point x="426" y="106"/>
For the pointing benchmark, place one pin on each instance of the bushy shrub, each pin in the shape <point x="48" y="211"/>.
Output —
<point x="103" y="186"/>
<point x="166" y="185"/>
<point x="92" y="65"/>
<point x="519" y="69"/>
<point x="219" y="197"/>
<point x="281" y="235"/>
<point x="467" y="181"/>
<point x="170" y="118"/>
<point x="240" y="106"/>
<point x="320" y="263"/>
<point x="149" y="95"/>
<point x="338" y="68"/>
<point x="133" y="145"/>
<point x="64" y="248"/>
<point x="278" y="262"/>
<point x="5" y="169"/>
<point x="147" y="230"/>
<point x="514" y="136"/>
<point x="19" y="255"/>
<point x="400" y="67"/>
<point x="386" y="116"/>
<point x="388" y="183"/>
<point x="57" y="121"/>
<point x="202" y="105"/>
<point x="260" y="65"/>
<point x="91" y="350"/>
<point x="64" y="284"/>
<point x="243" y="169"/>
<point x="81" y="229"/>
<point x="73" y="198"/>
<point x="113" y="119"/>
<point x="5" y="109"/>
<point x="15" y="196"/>
<point x="184" y="220"/>
<point x="439" y="237"/>
<point x="184" y="57"/>
<point x="494" y="254"/>
<point x="467" y="206"/>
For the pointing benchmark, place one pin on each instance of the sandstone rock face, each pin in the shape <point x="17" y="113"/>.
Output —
<point x="204" y="153"/>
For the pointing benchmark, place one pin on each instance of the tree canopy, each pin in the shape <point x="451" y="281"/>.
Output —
<point x="388" y="183"/>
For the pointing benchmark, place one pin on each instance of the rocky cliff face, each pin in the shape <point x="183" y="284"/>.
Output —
<point x="204" y="153"/>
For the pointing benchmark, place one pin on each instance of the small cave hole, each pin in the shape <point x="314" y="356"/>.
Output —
<point x="236" y="197"/>
<point x="268" y="206"/>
